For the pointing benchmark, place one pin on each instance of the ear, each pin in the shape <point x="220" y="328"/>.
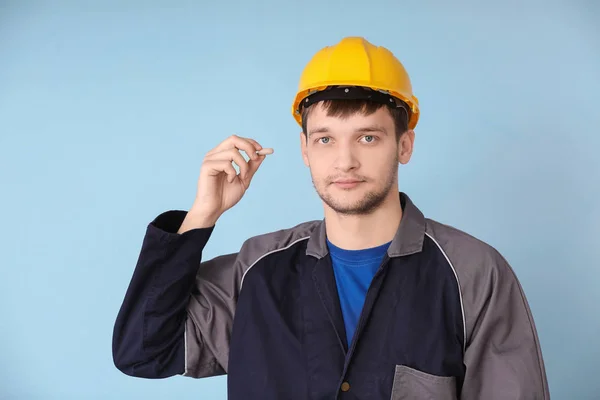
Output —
<point x="405" y="146"/>
<point x="303" y="147"/>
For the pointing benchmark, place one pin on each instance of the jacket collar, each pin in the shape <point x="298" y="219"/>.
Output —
<point x="408" y="239"/>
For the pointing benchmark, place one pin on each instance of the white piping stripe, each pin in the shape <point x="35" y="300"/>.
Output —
<point x="241" y="283"/>
<point x="266" y="254"/>
<point x="185" y="346"/>
<point x="462" y="308"/>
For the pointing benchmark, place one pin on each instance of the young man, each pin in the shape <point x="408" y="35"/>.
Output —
<point x="375" y="301"/>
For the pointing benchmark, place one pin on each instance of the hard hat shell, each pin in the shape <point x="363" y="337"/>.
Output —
<point x="354" y="61"/>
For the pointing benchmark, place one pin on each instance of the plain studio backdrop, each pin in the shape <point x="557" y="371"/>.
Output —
<point x="107" y="110"/>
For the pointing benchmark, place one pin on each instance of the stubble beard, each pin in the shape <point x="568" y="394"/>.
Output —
<point x="370" y="202"/>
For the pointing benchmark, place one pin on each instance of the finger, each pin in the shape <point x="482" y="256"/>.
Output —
<point x="216" y="167"/>
<point x="249" y="146"/>
<point x="232" y="155"/>
<point x="253" y="167"/>
<point x="257" y="145"/>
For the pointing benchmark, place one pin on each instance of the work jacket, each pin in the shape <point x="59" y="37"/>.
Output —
<point x="444" y="317"/>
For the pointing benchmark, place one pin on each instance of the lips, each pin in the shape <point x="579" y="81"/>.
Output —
<point x="346" y="179"/>
<point x="347" y="183"/>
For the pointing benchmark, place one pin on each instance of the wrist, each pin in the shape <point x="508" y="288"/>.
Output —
<point x="197" y="218"/>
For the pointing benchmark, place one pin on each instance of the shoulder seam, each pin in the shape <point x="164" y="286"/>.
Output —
<point x="460" y="295"/>
<point x="268" y="253"/>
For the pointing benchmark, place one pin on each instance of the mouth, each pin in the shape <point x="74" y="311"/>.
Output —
<point x="347" y="183"/>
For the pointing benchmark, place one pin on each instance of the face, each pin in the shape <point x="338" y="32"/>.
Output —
<point x="354" y="161"/>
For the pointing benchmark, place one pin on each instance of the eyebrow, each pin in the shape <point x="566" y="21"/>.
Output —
<point x="372" y="128"/>
<point x="364" y="129"/>
<point x="318" y="130"/>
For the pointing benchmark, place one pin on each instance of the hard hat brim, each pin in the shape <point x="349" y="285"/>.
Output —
<point x="337" y="92"/>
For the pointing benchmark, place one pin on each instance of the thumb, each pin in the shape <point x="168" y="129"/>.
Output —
<point x="253" y="167"/>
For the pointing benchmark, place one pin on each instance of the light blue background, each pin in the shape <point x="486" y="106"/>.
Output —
<point x="107" y="110"/>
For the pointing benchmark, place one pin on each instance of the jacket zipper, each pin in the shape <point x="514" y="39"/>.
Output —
<point x="362" y="318"/>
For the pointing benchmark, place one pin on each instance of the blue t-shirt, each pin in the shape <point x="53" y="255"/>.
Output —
<point x="354" y="271"/>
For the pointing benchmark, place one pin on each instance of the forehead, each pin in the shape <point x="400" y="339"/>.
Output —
<point x="320" y="118"/>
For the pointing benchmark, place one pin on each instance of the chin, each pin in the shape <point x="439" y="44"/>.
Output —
<point x="346" y="197"/>
<point x="352" y="208"/>
<point x="352" y="202"/>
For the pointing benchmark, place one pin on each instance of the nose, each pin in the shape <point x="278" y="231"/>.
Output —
<point x="346" y="159"/>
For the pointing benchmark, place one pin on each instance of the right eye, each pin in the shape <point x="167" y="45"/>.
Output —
<point x="323" y="140"/>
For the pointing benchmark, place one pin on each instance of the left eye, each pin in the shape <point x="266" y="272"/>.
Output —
<point x="369" y="138"/>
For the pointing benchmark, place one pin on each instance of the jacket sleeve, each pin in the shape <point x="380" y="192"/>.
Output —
<point x="503" y="357"/>
<point x="177" y="312"/>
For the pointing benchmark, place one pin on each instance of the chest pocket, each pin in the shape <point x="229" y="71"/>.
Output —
<point x="412" y="384"/>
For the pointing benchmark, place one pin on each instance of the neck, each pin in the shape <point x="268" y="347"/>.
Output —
<point x="355" y="232"/>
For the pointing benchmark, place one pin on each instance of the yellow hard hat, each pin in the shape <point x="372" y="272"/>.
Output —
<point x="355" y="68"/>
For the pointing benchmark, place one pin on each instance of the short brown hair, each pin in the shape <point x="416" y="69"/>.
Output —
<point x="346" y="107"/>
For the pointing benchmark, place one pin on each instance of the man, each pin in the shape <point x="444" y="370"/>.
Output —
<point x="375" y="301"/>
